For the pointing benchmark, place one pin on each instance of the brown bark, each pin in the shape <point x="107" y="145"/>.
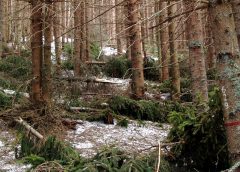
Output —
<point x="164" y="41"/>
<point x="127" y="34"/>
<point x="57" y="35"/>
<point x="174" y="65"/>
<point x="236" y="13"/>
<point x="227" y="53"/>
<point x="158" y="42"/>
<point x="87" y="32"/>
<point x="1" y="27"/>
<point x="47" y="63"/>
<point x="136" y="50"/>
<point x="82" y="32"/>
<point x="77" y="40"/>
<point x="211" y="58"/>
<point x="36" y="46"/>
<point x="118" y="29"/>
<point x="196" y="54"/>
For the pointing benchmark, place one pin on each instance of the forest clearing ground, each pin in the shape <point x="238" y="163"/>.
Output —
<point x="90" y="137"/>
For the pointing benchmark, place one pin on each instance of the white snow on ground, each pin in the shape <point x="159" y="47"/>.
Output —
<point x="12" y="92"/>
<point x="8" y="162"/>
<point x="91" y="136"/>
<point x="109" y="51"/>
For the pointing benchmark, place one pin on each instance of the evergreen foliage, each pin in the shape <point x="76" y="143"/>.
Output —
<point x="143" y="109"/>
<point x="203" y="132"/>
<point x="16" y="66"/>
<point x="117" y="67"/>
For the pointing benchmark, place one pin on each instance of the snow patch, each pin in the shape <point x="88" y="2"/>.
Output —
<point x="89" y="137"/>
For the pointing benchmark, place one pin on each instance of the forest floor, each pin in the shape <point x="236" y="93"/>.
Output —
<point x="8" y="143"/>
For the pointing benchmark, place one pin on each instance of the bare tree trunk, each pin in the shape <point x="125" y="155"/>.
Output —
<point x="47" y="63"/>
<point x="158" y="41"/>
<point x="87" y="31"/>
<point x="82" y="32"/>
<point x="1" y="27"/>
<point x="77" y="40"/>
<point x="164" y="41"/>
<point x="211" y="58"/>
<point x="118" y="28"/>
<point x="57" y="35"/>
<point x="136" y="49"/>
<point x="174" y="66"/>
<point x="227" y="53"/>
<point x="196" y="54"/>
<point x="36" y="46"/>
<point x="128" y="45"/>
<point x="236" y="13"/>
<point x="63" y="21"/>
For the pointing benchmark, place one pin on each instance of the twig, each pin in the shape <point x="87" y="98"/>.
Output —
<point x="159" y="156"/>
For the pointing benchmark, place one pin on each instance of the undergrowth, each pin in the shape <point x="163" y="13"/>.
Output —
<point x="16" y="66"/>
<point x="109" y="159"/>
<point x="203" y="132"/>
<point x="144" y="109"/>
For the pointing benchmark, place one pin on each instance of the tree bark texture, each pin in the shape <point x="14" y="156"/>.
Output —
<point x="77" y="40"/>
<point x="174" y="65"/>
<point x="136" y="49"/>
<point x="36" y="46"/>
<point x="164" y="41"/>
<point x="236" y="13"/>
<point x="228" y="66"/>
<point x="196" y="54"/>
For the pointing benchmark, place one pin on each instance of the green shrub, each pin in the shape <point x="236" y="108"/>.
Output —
<point x="108" y="160"/>
<point x="143" y="110"/>
<point x="117" y="67"/>
<point x="16" y="66"/>
<point x="205" y="146"/>
<point x="94" y="50"/>
<point x="5" y="101"/>
<point x="166" y="86"/>
<point x="68" y="50"/>
<point x="123" y="122"/>
<point x="151" y="69"/>
<point x="67" y="65"/>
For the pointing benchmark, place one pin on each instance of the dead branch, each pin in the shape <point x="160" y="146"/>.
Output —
<point x="29" y="128"/>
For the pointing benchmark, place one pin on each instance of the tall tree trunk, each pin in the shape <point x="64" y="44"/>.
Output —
<point x="57" y="36"/>
<point x="164" y="41"/>
<point x="211" y="58"/>
<point x="174" y="66"/>
<point x="196" y="54"/>
<point x="82" y="32"/>
<point x="63" y="21"/>
<point x="127" y="34"/>
<point x="77" y="40"/>
<point x="36" y="46"/>
<point x="158" y="41"/>
<point x="118" y="28"/>
<point x="87" y="31"/>
<point x="47" y="63"/>
<point x="1" y="27"/>
<point x="236" y="13"/>
<point x="227" y="53"/>
<point x="136" y="49"/>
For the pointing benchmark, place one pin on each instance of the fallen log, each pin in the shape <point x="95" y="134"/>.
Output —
<point x="29" y="128"/>
<point x="84" y="109"/>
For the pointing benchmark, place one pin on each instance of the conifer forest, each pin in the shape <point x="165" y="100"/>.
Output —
<point x="119" y="85"/>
